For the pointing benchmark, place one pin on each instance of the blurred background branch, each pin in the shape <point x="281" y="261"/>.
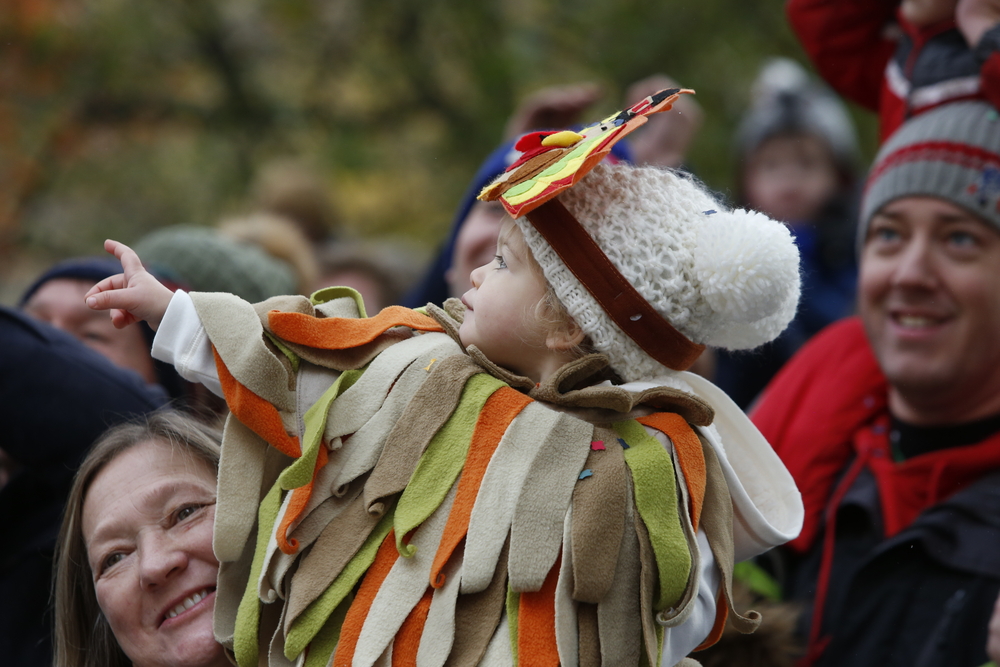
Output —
<point x="119" y="117"/>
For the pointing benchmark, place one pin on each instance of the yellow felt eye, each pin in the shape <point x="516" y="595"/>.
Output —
<point x="562" y="139"/>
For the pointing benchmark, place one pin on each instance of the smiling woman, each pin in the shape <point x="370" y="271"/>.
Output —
<point x="136" y="574"/>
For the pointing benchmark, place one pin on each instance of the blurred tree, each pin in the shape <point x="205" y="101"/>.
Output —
<point x="118" y="117"/>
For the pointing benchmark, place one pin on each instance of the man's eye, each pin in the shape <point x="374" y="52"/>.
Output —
<point x="500" y="263"/>
<point x="885" y="234"/>
<point x="962" y="239"/>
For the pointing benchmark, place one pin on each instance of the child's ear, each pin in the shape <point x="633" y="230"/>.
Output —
<point x="565" y="337"/>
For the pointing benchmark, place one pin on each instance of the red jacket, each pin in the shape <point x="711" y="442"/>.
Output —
<point x="896" y="71"/>
<point x="826" y="416"/>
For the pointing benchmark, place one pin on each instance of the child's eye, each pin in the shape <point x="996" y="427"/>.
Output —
<point x="500" y="263"/>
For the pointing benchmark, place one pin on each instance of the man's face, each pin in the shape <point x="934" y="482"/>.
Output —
<point x="929" y="296"/>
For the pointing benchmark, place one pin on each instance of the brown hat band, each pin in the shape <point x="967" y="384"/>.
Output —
<point x="626" y="307"/>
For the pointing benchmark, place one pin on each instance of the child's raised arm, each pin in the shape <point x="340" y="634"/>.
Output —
<point x="131" y="296"/>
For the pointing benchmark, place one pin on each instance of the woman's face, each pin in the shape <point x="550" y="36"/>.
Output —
<point x="147" y="523"/>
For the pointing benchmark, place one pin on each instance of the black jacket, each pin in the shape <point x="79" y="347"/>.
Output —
<point x="56" y="397"/>
<point x="922" y="598"/>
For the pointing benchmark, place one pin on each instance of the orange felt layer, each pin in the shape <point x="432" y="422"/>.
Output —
<point x="498" y="412"/>
<point x="259" y="415"/>
<point x="342" y="333"/>
<point x="536" y="624"/>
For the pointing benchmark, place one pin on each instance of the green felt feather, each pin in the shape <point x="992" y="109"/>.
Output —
<point x="442" y="461"/>
<point x="245" y="644"/>
<point x="656" y="499"/>
<point x="325" y="643"/>
<point x="513" y="607"/>
<point x="306" y="628"/>
<point x="301" y="471"/>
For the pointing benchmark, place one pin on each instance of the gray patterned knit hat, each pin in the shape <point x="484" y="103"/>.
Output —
<point x="951" y="152"/>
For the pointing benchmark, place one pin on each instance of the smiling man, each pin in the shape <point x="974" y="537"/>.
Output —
<point x="890" y="423"/>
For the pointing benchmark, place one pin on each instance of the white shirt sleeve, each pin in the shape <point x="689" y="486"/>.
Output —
<point x="181" y="341"/>
<point x="680" y="641"/>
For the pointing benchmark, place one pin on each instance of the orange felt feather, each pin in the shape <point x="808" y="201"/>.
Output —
<point x="721" y="615"/>
<point x="342" y="333"/>
<point x="536" y="624"/>
<point x="499" y="411"/>
<point x="404" y="648"/>
<point x="259" y="415"/>
<point x="297" y="505"/>
<point x="350" y="631"/>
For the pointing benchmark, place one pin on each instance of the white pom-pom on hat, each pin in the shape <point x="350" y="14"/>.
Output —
<point x="747" y="268"/>
<point x="729" y="279"/>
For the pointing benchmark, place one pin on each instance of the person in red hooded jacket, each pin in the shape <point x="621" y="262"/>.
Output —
<point x="901" y="58"/>
<point x="890" y="422"/>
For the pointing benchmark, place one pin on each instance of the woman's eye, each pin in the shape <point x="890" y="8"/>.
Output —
<point x="882" y="236"/>
<point x="110" y="560"/>
<point x="187" y="511"/>
<point x="500" y="263"/>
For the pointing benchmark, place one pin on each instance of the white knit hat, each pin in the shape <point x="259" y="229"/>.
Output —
<point x="723" y="278"/>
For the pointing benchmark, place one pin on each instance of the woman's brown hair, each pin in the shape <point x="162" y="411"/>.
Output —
<point x="83" y="637"/>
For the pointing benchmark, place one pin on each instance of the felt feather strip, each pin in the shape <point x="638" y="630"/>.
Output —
<point x="429" y="511"/>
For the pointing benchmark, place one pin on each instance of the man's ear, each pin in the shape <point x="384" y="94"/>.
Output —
<point x="565" y="337"/>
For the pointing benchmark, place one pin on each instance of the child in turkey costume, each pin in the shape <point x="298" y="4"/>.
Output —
<point x="524" y="477"/>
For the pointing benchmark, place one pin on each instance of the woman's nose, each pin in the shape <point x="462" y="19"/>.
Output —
<point x="159" y="559"/>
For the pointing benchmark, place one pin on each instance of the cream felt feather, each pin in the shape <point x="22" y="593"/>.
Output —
<point x="494" y="509"/>
<point x="360" y="453"/>
<point x="238" y="336"/>
<point x="439" y="629"/>
<point x="536" y="526"/>
<point x="567" y="634"/>
<point x="403" y="588"/>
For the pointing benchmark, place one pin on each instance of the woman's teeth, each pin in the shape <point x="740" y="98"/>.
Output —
<point x="187" y="603"/>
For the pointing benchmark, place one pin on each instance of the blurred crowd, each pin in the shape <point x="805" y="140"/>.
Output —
<point x="68" y="374"/>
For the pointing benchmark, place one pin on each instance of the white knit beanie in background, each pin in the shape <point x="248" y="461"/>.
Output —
<point x="722" y="278"/>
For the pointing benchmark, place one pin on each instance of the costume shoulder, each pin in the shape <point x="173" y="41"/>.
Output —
<point x="415" y="500"/>
<point x="814" y="405"/>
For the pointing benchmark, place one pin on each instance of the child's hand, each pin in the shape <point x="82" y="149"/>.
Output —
<point x="975" y="17"/>
<point x="979" y="22"/>
<point x="130" y="296"/>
